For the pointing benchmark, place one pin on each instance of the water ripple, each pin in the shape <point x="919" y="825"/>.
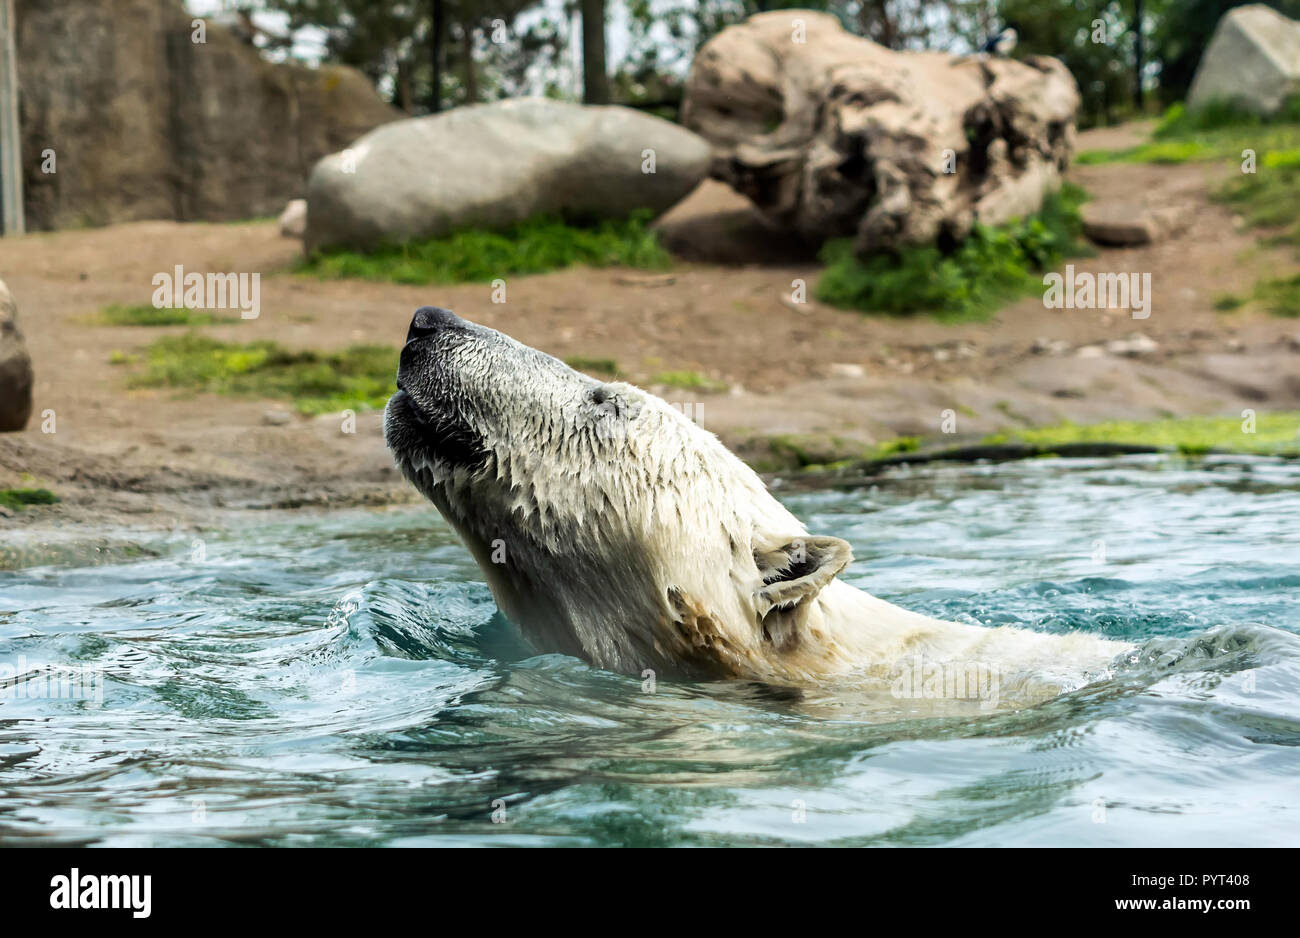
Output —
<point x="346" y="679"/>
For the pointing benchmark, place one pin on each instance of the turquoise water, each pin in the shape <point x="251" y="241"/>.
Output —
<point x="345" y="680"/>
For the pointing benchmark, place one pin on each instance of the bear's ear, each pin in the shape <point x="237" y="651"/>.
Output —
<point x="794" y="573"/>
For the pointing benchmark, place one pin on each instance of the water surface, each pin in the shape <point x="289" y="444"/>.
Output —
<point x="344" y="679"/>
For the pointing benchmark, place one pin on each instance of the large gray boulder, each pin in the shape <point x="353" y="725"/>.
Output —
<point x="492" y="165"/>
<point x="832" y="135"/>
<point x="15" y="367"/>
<point x="1252" y="61"/>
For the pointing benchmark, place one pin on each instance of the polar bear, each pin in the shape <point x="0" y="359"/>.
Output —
<point x="611" y="527"/>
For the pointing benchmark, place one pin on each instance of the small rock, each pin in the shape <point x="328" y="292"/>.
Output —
<point x="1045" y="346"/>
<point x="1118" y="223"/>
<point x="847" y="370"/>
<point x="645" y="280"/>
<point x="795" y="306"/>
<point x="1068" y="392"/>
<point x="15" y="367"/>
<point x="1235" y="345"/>
<point x="1090" y="351"/>
<point x="277" y="418"/>
<point x="1134" y="346"/>
<point x="293" y="220"/>
<point x="1292" y="341"/>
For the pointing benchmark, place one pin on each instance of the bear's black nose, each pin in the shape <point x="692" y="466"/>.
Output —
<point x="430" y="319"/>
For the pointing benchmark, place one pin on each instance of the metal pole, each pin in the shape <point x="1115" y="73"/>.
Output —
<point x="11" y="164"/>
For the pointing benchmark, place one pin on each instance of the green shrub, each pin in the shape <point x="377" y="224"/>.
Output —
<point x="969" y="282"/>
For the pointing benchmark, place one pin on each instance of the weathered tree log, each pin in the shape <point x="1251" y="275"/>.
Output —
<point x="833" y="135"/>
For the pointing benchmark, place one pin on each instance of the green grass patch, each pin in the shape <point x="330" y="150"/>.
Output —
<point x="687" y="380"/>
<point x="1218" y="131"/>
<point x="895" y="447"/>
<point x="18" y="499"/>
<point x="968" y="283"/>
<point x="118" y="314"/>
<point x="600" y="366"/>
<point x="475" y="256"/>
<point x="1166" y="152"/>
<point x="1280" y="295"/>
<point x="1267" y="198"/>
<point x="1179" y="122"/>
<point x="359" y="377"/>
<point x="1275" y="433"/>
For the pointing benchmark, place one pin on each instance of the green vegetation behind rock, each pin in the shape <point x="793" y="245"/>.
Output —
<point x="476" y="256"/>
<point x="990" y="267"/>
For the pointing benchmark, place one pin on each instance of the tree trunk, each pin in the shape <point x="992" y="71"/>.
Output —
<point x="404" y="98"/>
<point x="875" y="23"/>
<point x="1137" y="52"/>
<point x="437" y="37"/>
<point x="471" y="73"/>
<point x="595" y="81"/>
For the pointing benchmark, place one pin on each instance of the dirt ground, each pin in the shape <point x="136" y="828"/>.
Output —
<point x="834" y="381"/>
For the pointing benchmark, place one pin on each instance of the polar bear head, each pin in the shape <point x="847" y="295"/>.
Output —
<point x="607" y="524"/>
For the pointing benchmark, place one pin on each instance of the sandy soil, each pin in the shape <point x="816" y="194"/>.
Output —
<point x="833" y="380"/>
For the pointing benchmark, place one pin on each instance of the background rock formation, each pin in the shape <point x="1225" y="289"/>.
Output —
<point x="15" y="367"/>
<point x="146" y="123"/>
<point x="1253" y="61"/>
<point x="835" y="135"/>
<point x="492" y="165"/>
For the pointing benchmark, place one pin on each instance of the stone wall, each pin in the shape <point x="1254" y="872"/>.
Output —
<point x="146" y="123"/>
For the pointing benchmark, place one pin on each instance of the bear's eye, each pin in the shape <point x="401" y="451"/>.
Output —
<point x="608" y="402"/>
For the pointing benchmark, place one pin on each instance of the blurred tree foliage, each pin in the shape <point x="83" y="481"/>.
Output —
<point x="1094" y="38"/>
<point x="500" y="48"/>
<point x="393" y="42"/>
